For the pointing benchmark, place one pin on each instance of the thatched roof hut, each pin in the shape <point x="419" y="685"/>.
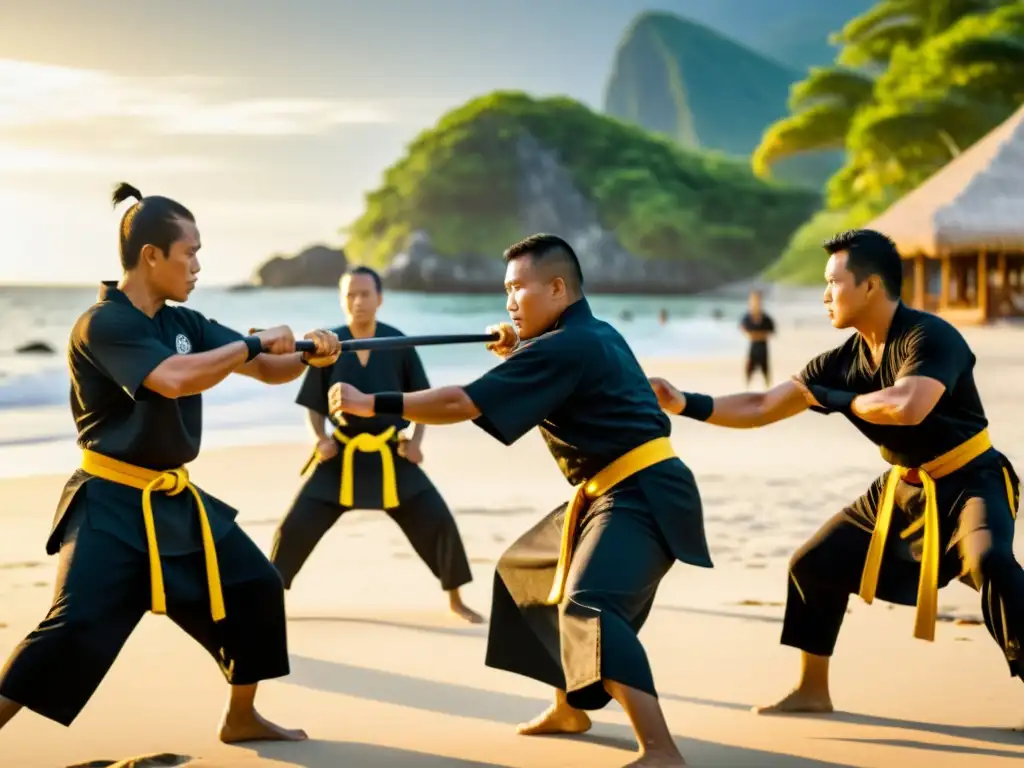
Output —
<point x="967" y="220"/>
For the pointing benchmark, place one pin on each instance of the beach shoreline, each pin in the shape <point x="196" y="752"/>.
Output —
<point x="381" y="675"/>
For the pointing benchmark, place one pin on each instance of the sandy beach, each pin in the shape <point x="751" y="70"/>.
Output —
<point x="382" y="676"/>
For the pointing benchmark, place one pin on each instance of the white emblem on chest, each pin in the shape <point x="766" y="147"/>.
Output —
<point x="182" y="344"/>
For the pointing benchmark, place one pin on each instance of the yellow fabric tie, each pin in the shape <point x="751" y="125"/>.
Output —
<point x="366" y="443"/>
<point x="628" y="464"/>
<point x="171" y="482"/>
<point x="931" y="556"/>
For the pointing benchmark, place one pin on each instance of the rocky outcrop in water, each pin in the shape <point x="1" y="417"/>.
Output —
<point x="315" y="267"/>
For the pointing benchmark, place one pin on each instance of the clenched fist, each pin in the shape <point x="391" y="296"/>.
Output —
<point x="328" y="347"/>
<point x="669" y="398"/>
<point x="343" y="398"/>
<point x="507" y="342"/>
<point x="276" y="341"/>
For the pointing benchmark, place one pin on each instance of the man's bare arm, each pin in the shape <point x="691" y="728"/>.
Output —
<point x="185" y="375"/>
<point x="317" y="423"/>
<point x="274" y="369"/>
<point x="441" y="405"/>
<point x="905" y="403"/>
<point x="745" y="410"/>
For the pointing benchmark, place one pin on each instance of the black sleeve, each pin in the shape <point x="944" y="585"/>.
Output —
<point x="525" y="388"/>
<point x="313" y="390"/>
<point x="936" y="351"/>
<point x="745" y="323"/>
<point x="213" y="334"/>
<point x="122" y="344"/>
<point x="769" y="324"/>
<point x="823" y="370"/>
<point x="414" y="375"/>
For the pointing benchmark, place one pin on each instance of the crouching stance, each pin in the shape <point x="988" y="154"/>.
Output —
<point x="133" y="532"/>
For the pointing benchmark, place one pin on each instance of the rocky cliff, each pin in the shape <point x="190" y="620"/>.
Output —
<point x="644" y="215"/>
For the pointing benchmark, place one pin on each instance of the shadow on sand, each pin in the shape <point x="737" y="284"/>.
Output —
<point x="462" y="701"/>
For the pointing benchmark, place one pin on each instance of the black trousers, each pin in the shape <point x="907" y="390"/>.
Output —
<point x="103" y="590"/>
<point x="424" y="518"/>
<point x="977" y="538"/>
<point x="620" y="558"/>
<point x="757" y="359"/>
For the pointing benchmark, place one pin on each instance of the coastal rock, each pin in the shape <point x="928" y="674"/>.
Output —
<point x="549" y="201"/>
<point x="315" y="267"/>
<point x="35" y="348"/>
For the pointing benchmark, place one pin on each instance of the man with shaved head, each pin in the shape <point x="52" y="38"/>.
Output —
<point x="571" y="595"/>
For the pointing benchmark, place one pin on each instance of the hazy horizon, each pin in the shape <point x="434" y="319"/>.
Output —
<point x="269" y="122"/>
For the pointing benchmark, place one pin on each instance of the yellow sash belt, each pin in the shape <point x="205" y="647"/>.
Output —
<point x="928" y="585"/>
<point x="366" y="443"/>
<point x="171" y="482"/>
<point x="628" y="464"/>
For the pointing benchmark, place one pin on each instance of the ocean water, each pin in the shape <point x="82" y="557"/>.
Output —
<point x="37" y="433"/>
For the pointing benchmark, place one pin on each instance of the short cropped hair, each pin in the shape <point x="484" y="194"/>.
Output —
<point x="870" y="253"/>
<point x="361" y="270"/>
<point x="554" y="254"/>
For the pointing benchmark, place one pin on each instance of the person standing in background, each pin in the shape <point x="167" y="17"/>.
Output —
<point x="758" y="327"/>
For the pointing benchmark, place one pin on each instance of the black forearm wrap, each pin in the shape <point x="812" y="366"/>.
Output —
<point x="833" y="400"/>
<point x="698" y="406"/>
<point x="254" y="345"/>
<point x="388" y="403"/>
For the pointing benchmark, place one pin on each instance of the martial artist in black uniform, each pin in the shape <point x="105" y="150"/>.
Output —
<point x="758" y="328"/>
<point x="132" y="531"/>
<point x="945" y="510"/>
<point x="571" y="595"/>
<point x="367" y="463"/>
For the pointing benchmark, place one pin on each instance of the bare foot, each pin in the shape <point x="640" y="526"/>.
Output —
<point x="658" y="760"/>
<point x="254" y="727"/>
<point x="556" y="719"/>
<point x="464" y="612"/>
<point x="798" y="701"/>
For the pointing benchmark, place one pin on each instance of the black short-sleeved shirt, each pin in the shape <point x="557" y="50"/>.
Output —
<point x="582" y="386"/>
<point x="386" y="370"/>
<point x="918" y="344"/>
<point x="762" y="324"/>
<point x="113" y="347"/>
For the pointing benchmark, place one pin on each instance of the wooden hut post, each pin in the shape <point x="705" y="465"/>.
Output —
<point x="944" y="281"/>
<point x="920" y="286"/>
<point x="982" y="286"/>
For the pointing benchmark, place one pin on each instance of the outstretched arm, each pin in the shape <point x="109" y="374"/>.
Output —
<point x="740" y="411"/>
<point x="506" y="402"/>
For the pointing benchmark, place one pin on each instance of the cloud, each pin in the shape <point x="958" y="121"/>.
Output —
<point x="38" y="95"/>
<point x="18" y="159"/>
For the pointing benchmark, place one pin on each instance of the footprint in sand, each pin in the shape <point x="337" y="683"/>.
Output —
<point x="12" y="566"/>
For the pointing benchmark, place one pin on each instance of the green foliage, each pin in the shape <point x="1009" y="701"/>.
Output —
<point x="944" y="73"/>
<point x="932" y="103"/>
<point x="460" y="182"/>
<point x="826" y="105"/>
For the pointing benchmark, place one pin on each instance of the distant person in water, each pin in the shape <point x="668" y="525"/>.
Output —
<point x="663" y="316"/>
<point x="758" y="327"/>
